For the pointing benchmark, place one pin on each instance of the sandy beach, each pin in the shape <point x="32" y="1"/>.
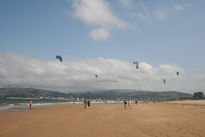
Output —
<point x="173" y="119"/>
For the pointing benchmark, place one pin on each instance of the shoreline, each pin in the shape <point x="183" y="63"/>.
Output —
<point x="25" y="106"/>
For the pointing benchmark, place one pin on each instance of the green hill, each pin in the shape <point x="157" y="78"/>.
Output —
<point x="134" y="94"/>
<point x="30" y="93"/>
<point x="103" y="94"/>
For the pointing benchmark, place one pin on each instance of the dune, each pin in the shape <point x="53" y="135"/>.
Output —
<point x="106" y="120"/>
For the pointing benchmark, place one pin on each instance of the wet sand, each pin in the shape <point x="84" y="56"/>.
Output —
<point x="107" y="120"/>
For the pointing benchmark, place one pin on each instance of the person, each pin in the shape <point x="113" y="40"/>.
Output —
<point x="30" y="102"/>
<point x="136" y="102"/>
<point x="125" y="104"/>
<point x="88" y="103"/>
<point x="129" y="104"/>
<point x="85" y="103"/>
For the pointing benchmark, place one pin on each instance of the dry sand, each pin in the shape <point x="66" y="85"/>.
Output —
<point x="107" y="120"/>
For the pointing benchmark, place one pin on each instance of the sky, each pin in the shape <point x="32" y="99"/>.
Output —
<point x="103" y="37"/>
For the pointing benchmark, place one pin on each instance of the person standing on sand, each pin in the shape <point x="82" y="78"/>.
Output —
<point x="136" y="102"/>
<point x="85" y="103"/>
<point x="30" y="102"/>
<point x="125" y="104"/>
<point x="129" y="104"/>
<point x="88" y="103"/>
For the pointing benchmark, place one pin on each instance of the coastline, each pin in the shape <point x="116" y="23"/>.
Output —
<point x="25" y="106"/>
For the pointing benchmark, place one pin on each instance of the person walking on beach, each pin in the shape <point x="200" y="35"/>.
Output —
<point x="88" y="103"/>
<point x="30" y="102"/>
<point x="136" y="102"/>
<point x="85" y="103"/>
<point x="129" y="104"/>
<point x="125" y="104"/>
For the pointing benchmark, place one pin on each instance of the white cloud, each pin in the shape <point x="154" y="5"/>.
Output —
<point x="147" y="14"/>
<point x="99" y="34"/>
<point x="160" y="14"/>
<point x="97" y="13"/>
<point x="79" y="74"/>
<point x="127" y="3"/>
<point x="180" y="7"/>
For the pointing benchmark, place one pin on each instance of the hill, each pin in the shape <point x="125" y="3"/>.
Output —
<point x="30" y="93"/>
<point x="133" y="94"/>
<point x="103" y="94"/>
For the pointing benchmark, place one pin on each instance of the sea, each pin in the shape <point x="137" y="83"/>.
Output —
<point x="16" y="104"/>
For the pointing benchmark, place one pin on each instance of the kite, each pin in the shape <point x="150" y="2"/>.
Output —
<point x="60" y="58"/>
<point x="137" y="64"/>
<point x="164" y="81"/>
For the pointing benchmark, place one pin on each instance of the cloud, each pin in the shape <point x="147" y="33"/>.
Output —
<point x="99" y="34"/>
<point x="180" y="7"/>
<point x="127" y="3"/>
<point x="199" y="76"/>
<point x="97" y="13"/>
<point x="73" y="75"/>
<point x="147" y="14"/>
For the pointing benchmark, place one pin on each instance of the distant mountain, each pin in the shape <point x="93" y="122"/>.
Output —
<point x="102" y="94"/>
<point x="133" y="94"/>
<point x="30" y="93"/>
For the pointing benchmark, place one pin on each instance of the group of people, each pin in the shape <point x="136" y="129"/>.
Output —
<point x="128" y="103"/>
<point x="86" y="103"/>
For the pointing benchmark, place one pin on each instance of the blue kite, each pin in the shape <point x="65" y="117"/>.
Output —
<point x="137" y="64"/>
<point x="164" y="81"/>
<point x="60" y="58"/>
